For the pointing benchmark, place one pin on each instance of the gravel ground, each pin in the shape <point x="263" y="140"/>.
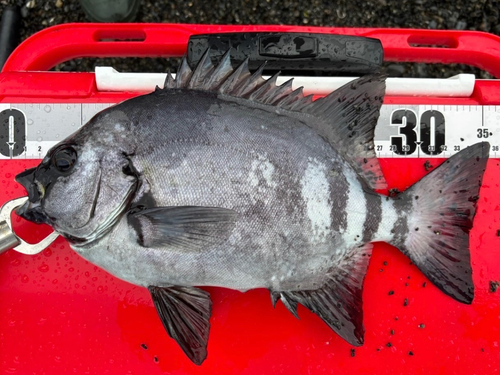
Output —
<point x="479" y="15"/>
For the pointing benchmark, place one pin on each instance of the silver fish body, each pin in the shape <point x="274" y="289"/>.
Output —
<point x="300" y="205"/>
<point x="225" y="179"/>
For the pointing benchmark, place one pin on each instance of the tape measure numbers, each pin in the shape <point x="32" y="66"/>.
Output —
<point x="435" y="131"/>
<point x="29" y="130"/>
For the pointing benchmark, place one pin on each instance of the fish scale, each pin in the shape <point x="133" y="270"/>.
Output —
<point x="279" y="193"/>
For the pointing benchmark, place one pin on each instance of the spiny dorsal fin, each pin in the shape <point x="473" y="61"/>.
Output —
<point x="346" y="118"/>
<point x="353" y="110"/>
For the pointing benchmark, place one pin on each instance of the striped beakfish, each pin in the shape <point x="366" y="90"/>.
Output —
<point x="225" y="179"/>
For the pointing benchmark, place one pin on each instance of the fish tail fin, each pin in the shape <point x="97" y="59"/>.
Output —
<point x="435" y="217"/>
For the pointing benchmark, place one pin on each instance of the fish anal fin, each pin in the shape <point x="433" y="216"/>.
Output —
<point x="185" y="314"/>
<point x="339" y="301"/>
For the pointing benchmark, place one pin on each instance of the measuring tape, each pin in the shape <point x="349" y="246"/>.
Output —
<point x="29" y="130"/>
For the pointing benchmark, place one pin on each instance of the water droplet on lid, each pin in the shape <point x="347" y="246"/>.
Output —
<point x="30" y="121"/>
<point x="47" y="108"/>
<point x="68" y="107"/>
<point x="39" y="139"/>
<point x="43" y="268"/>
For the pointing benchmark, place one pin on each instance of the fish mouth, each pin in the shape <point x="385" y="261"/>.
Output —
<point x="32" y="210"/>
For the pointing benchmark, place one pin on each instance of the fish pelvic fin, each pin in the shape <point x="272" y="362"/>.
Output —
<point x="436" y="215"/>
<point x="346" y="118"/>
<point x="185" y="314"/>
<point x="339" y="301"/>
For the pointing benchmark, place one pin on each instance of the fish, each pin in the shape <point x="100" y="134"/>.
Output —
<point x="223" y="178"/>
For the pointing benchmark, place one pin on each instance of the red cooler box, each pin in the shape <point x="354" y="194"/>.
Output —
<point x="59" y="314"/>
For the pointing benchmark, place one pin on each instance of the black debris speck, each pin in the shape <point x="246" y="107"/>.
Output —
<point x="406" y="284"/>
<point x="462" y="139"/>
<point x="424" y="284"/>
<point x="353" y="352"/>
<point x="494" y="284"/>
<point x="388" y="344"/>
<point x="155" y="358"/>
<point x="385" y="263"/>
<point x="144" y="346"/>
<point x="498" y="232"/>
<point x="410" y="353"/>
<point x="421" y="326"/>
<point x="482" y="349"/>
<point x="405" y="303"/>
<point x="391" y="292"/>
<point x="394" y="192"/>
<point x="428" y="165"/>
<point x="392" y="332"/>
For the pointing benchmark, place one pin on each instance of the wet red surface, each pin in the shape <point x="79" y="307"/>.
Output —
<point x="61" y="314"/>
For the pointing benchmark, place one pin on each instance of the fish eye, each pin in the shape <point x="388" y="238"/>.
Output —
<point x="64" y="159"/>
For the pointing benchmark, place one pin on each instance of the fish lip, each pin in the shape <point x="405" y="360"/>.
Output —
<point x="27" y="180"/>
<point x="33" y="211"/>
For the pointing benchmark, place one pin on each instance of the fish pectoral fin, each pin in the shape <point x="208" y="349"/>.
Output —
<point x="184" y="228"/>
<point x="339" y="302"/>
<point x="185" y="314"/>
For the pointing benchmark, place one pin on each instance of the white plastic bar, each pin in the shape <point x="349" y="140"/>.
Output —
<point x="461" y="85"/>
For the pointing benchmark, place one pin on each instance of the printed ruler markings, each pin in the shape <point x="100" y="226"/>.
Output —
<point x="426" y="131"/>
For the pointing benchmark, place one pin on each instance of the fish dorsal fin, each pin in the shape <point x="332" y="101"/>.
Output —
<point x="346" y="118"/>
<point x="349" y="116"/>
